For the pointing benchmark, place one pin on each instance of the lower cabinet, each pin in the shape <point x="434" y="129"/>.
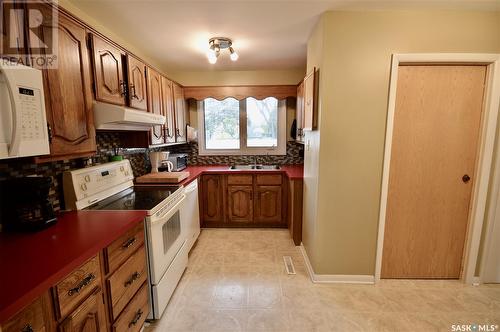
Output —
<point x="211" y="200"/>
<point x="268" y="204"/>
<point x="240" y="204"/>
<point x="108" y="292"/>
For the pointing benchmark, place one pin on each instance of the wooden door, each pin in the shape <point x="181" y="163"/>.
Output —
<point x="268" y="204"/>
<point x="68" y="95"/>
<point x="108" y="72"/>
<point x="211" y="198"/>
<point x="168" y="108"/>
<point x="310" y="117"/>
<point x="136" y="75"/>
<point x="434" y="145"/>
<point x="155" y="104"/>
<point x="240" y="204"/>
<point x="87" y="317"/>
<point x="300" y="112"/>
<point x="180" y="113"/>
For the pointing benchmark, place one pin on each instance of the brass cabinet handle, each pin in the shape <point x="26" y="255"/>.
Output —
<point x="130" y="242"/>
<point x="133" y="95"/>
<point x="132" y="279"/>
<point x="85" y="282"/>
<point x="134" y="321"/>
<point x="27" y="328"/>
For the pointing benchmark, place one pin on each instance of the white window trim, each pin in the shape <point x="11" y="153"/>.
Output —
<point x="244" y="150"/>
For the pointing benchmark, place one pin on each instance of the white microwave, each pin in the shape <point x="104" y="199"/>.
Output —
<point x="23" y="124"/>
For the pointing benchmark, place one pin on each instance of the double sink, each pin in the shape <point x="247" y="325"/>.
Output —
<point x="255" y="167"/>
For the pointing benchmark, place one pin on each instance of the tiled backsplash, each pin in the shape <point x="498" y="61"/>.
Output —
<point x="139" y="159"/>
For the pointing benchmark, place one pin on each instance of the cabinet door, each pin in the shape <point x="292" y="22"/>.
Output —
<point x="87" y="317"/>
<point x="300" y="112"/>
<point x="268" y="204"/>
<point x="68" y="95"/>
<point x="211" y="198"/>
<point x="108" y="72"/>
<point x="180" y="113"/>
<point x="168" y="107"/>
<point x="155" y="104"/>
<point x="12" y="30"/>
<point x="137" y="97"/>
<point x="240" y="203"/>
<point x="30" y="318"/>
<point x="310" y="119"/>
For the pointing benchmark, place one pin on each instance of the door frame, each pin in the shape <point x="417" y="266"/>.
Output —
<point x="484" y="160"/>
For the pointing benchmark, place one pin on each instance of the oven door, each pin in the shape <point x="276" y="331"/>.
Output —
<point x="165" y="238"/>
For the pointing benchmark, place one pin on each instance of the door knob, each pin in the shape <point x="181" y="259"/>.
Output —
<point x="465" y="178"/>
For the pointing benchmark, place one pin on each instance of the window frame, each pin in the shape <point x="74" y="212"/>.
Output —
<point x="278" y="150"/>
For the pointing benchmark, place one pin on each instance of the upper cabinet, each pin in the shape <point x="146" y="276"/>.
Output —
<point x="108" y="72"/>
<point x="155" y="103"/>
<point x="136" y="78"/>
<point x="180" y="113"/>
<point x="300" y="112"/>
<point x="310" y="101"/>
<point x="68" y="95"/>
<point x="168" y="106"/>
<point x="12" y="29"/>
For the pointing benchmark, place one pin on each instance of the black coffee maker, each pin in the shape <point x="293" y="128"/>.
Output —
<point x="25" y="205"/>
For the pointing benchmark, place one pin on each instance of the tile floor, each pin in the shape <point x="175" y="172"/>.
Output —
<point x="236" y="281"/>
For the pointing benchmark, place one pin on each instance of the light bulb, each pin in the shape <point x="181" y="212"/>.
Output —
<point x="212" y="58"/>
<point x="234" y="56"/>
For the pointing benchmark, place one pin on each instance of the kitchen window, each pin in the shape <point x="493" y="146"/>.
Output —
<point x="242" y="127"/>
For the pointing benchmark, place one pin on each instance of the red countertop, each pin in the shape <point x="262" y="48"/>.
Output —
<point x="293" y="172"/>
<point x="31" y="263"/>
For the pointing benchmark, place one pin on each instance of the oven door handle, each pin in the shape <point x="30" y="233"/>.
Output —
<point x="169" y="214"/>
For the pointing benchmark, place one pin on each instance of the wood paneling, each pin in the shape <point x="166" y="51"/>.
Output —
<point x="155" y="103"/>
<point x="180" y="113"/>
<point x="211" y="198"/>
<point x="108" y="72"/>
<point x="88" y="317"/>
<point x="168" y="109"/>
<point x="435" y="142"/>
<point x="240" y="203"/>
<point x="77" y="286"/>
<point x="121" y="249"/>
<point x="136" y="76"/>
<point x="268" y="204"/>
<point x="68" y="95"/>
<point x="125" y="281"/>
<point x="240" y="92"/>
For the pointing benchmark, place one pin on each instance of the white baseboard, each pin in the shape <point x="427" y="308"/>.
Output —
<point x="334" y="278"/>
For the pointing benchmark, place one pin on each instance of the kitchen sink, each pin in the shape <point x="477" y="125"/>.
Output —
<point x="256" y="167"/>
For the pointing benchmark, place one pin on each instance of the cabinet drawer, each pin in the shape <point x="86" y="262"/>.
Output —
<point x="122" y="248"/>
<point x="269" y="179"/>
<point x="29" y="319"/>
<point x="77" y="286"/>
<point x="125" y="281"/>
<point x="239" y="179"/>
<point x="135" y="313"/>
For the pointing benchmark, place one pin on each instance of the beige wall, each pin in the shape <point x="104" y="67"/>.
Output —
<point x="255" y="77"/>
<point x="354" y="85"/>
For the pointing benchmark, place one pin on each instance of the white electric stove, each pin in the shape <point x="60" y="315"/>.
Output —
<point x="110" y="186"/>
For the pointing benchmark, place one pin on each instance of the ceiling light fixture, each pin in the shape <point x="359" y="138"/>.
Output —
<point x="217" y="44"/>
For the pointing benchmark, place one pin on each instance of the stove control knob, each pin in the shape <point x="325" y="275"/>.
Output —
<point x="83" y="187"/>
<point x="87" y="178"/>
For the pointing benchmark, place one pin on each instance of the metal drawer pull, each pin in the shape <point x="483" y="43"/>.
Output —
<point x="132" y="279"/>
<point x="27" y="328"/>
<point x="85" y="282"/>
<point x="138" y="316"/>
<point x="130" y="242"/>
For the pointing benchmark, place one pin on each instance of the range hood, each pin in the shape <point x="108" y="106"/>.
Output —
<point x="115" y="117"/>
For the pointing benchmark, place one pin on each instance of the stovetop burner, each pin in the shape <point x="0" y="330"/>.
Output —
<point x="136" y="198"/>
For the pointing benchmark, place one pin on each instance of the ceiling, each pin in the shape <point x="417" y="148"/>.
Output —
<point x="267" y="35"/>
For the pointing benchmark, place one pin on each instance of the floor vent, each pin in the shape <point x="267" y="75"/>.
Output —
<point x="290" y="269"/>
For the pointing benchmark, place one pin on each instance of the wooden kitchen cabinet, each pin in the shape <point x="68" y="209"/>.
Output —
<point x="240" y="204"/>
<point x="310" y="101"/>
<point x="136" y="79"/>
<point x="68" y="95"/>
<point x="109" y="82"/>
<point x="211" y="199"/>
<point x="167" y="87"/>
<point x="294" y="205"/>
<point x="13" y="37"/>
<point x="34" y="317"/>
<point x="300" y="112"/>
<point x="268" y="204"/>
<point x="180" y="113"/>
<point x="155" y="103"/>
<point x="87" y="317"/>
